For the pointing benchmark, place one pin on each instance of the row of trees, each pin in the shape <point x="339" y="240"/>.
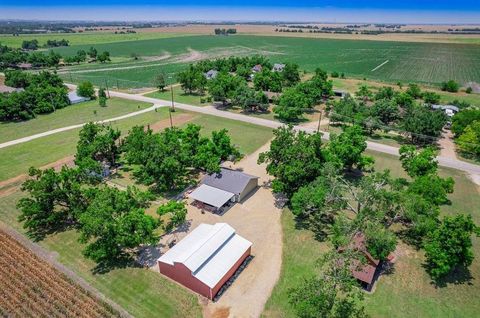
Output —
<point x="302" y="98"/>
<point x="12" y="57"/>
<point x="168" y="159"/>
<point x="327" y="193"/>
<point x="32" y="45"/>
<point x="42" y="93"/>
<point x="112" y="223"/>
<point x="388" y="109"/>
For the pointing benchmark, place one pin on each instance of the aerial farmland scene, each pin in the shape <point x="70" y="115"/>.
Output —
<point x="240" y="159"/>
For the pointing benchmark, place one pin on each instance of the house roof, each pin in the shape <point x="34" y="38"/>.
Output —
<point x="8" y="89"/>
<point x="445" y="107"/>
<point x="210" y="195"/>
<point x="229" y="180"/>
<point x="278" y="67"/>
<point x="74" y="98"/>
<point x="209" y="252"/>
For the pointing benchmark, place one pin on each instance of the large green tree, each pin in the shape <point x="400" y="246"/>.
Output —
<point x="348" y="147"/>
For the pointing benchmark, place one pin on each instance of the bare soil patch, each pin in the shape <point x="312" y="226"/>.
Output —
<point x="178" y="120"/>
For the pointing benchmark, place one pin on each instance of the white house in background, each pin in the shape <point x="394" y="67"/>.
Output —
<point x="206" y="258"/>
<point x="449" y="110"/>
<point x="277" y="67"/>
<point x="75" y="99"/>
<point x="211" y="74"/>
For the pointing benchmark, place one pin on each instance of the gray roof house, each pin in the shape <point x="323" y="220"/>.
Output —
<point x="277" y="67"/>
<point x="228" y="185"/>
<point x="75" y="99"/>
<point x="257" y="68"/>
<point x="211" y="74"/>
<point x="449" y="110"/>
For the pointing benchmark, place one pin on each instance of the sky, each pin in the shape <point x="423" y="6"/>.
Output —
<point x="404" y="11"/>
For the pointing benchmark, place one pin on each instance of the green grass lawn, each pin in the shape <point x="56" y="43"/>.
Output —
<point x="15" y="160"/>
<point x="142" y="292"/>
<point x="70" y="115"/>
<point x="179" y="96"/>
<point x="407" y="292"/>
<point x="408" y="61"/>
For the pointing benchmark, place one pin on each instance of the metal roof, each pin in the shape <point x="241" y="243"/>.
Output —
<point x="229" y="180"/>
<point x="209" y="251"/>
<point x="445" y="107"/>
<point x="74" y="98"/>
<point x="210" y="195"/>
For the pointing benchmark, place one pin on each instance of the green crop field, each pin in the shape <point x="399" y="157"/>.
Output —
<point x="91" y="38"/>
<point x="379" y="60"/>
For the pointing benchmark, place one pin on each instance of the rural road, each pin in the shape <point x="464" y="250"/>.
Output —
<point x="469" y="168"/>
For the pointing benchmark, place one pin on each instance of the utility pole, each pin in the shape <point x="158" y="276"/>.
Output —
<point x="170" y="114"/>
<point x="319" y="121"/>
<point x="173" y="104"/>
<point x="106" y="86"/>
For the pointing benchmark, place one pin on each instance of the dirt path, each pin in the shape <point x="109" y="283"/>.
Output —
<point x="50" y="258"/>
<point x="258" y="220"/>
<point x="447" y="146"/>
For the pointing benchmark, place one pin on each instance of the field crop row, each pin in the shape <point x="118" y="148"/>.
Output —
<point x="30" y="287"/>
<point x="419" y="62"/>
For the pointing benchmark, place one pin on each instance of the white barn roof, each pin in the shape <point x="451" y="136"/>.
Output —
<point x="209" y="251"/>
<point x="210" y="195"/>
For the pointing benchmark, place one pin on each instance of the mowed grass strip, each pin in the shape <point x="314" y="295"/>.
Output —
<point x="16" y="160"/>
<point x="70" y="115"/>
<point x="179" y="96"/>
<point x="140" y="291"/>
<point x="408" y="291"/>
<point x="408" y="61"/>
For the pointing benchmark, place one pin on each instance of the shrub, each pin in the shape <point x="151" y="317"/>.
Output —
<point x="469" y="90"/>
<point x="335" y="74"/>
<point x="85" y="89"/>
<point x="450" y="86"/>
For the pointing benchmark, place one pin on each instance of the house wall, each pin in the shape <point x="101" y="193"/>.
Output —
<point x="252" y="185"/>
<point x="180" y="273"/>
<point x="231" y="272"/>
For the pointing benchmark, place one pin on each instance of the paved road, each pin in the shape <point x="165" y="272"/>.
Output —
<point x="470" y="168"/>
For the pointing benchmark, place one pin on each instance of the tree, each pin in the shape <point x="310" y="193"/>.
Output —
<point x="423" y="124"/>
<point x="469" y="140"/>
<point x="102" y="97"/>
<point x="431" y="98"/>
<point x="464" y="118"/>
<point x="18" y="79"/>
<point x="291" y="105"/>
<point x="386" y="111"/>
<point x="223" y="87"/>
<point x="450" y="245"/>
<point x="450" y="86"/>
<point x="114" y="223"/>
<point x="54" y="201"/>
<point x="348" y="147"/>
<point x="290" y="74"/>
<point x="380" y="242"/>
<point x="92" y="53"/>
<point x="175" y="211"/>
<point x="364" y="93"/>
<point x="160" y="82"/>
<point x="331" y="295"/>
<point x="418" y="163"/>
<point x="347" y="110"/>
<point x="249" y="99"/>
<point x="30" y="45"/>
<point x="414" y="91"/>
<point x="96" y="146"/>
<point x="104" y="57"/>
<point x="294" y="159"/>
<point x="385" y="92"/>
<point x="85" y="89"/>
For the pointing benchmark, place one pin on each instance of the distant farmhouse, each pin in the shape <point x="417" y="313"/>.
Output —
<point x="206" y="258"/>
<point x="211" y="74"/>
<point x="278" y="67"/>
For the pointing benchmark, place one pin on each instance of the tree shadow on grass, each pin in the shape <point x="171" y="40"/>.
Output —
<point x="459" y="276"/>
<point x="124" y="260"/>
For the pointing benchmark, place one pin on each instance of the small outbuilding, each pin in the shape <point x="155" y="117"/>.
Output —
<point x="218" y="189"/>
<point x="211" y="74"/>
<point x="277" y="67"/>
<point x="449" y="110"/>
<point x="257" y="68"/>
<point x="206" y="258"/>
<point x="75" y="98"/>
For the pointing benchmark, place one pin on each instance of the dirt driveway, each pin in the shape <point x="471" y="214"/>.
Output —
<point x="258" y="220"/>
